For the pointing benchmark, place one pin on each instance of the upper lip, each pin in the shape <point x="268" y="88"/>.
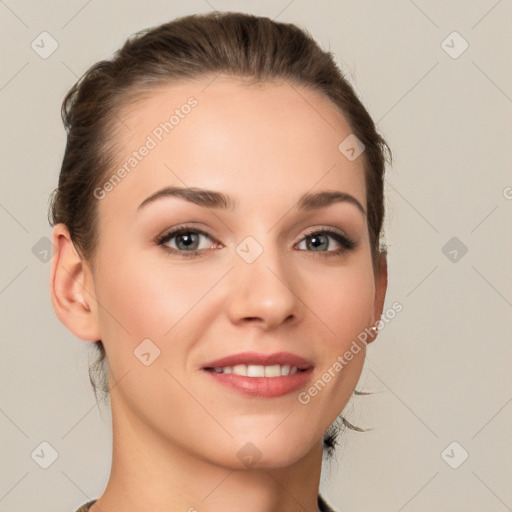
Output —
<point x="257" y="358"/>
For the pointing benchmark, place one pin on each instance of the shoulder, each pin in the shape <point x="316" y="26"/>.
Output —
<point x="86" y="506"/>
<point x="323" y="505"/>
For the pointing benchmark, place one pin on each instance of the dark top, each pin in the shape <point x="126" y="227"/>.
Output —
<point x="322" y="505"/>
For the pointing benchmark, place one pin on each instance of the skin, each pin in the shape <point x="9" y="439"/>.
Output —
<point x="176" y="433"/>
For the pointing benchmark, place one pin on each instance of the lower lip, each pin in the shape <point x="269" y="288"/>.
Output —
<point x="265" y="387"/>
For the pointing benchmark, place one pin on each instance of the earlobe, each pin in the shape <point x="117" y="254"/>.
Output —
<point x="71" y="288"/>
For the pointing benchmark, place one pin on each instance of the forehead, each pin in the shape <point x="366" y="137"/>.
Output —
<point x="249" y="140"/>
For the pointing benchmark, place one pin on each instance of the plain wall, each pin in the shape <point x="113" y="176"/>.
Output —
<point x="440" y="370"/>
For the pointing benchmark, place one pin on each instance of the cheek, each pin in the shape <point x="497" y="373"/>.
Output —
<point x="140" y="299"/>
<point x="343" y="301"/>
<point x="143" y="311"/>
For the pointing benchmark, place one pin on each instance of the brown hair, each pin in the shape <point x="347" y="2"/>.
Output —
<point x="193" y="47"/>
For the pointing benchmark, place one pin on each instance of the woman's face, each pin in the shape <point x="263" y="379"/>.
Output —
<point x="257" y="275"/>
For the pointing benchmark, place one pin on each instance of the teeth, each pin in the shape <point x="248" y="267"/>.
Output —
<point x="256" y="370"/>
<point x="272" y="371"/>
<point x="240" y="369"/>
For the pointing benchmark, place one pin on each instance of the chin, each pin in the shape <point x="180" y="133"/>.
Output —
<point x="259" y="453"/>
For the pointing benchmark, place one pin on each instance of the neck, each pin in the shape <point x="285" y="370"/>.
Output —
<point x="151" y="474"/>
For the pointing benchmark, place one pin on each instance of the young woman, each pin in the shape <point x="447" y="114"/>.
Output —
<point x="217" y="226"/>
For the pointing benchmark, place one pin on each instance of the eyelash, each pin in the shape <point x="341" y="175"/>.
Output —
<point x="346" y="243"/>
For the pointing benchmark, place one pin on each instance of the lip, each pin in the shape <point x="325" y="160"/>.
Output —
<point x="258" y="358"/>
<point x="264" y="387"/>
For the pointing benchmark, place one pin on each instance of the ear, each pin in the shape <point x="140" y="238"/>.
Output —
<point x="381" y="285"/>
<point x="72" y="287"/>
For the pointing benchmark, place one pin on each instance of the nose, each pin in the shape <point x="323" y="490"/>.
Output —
<point x="264" y="292"/>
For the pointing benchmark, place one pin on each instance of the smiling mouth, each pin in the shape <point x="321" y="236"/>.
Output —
<point x="255" y="370"/>
<point x="263" y="382"/>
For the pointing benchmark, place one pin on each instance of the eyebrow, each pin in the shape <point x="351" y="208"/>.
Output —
<point x="218" y="200"/>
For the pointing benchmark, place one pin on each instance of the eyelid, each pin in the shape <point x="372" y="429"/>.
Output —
<point x="324" y="229"/>
<point x="329" y="230"/>
<point x="177" y="229"/>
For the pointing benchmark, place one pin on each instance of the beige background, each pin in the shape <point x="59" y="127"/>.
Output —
<point x="440" y="370"/>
